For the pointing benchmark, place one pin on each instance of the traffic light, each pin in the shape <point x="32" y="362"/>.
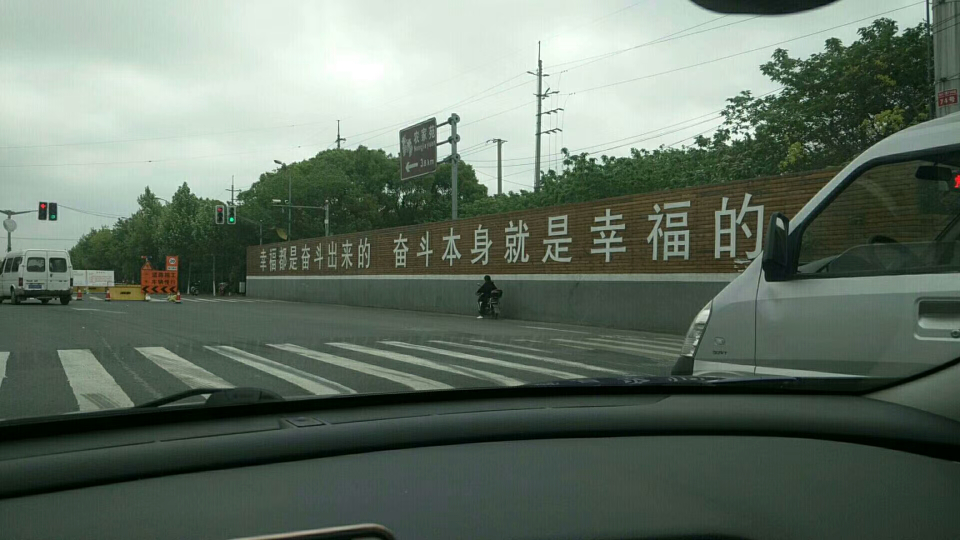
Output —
<point x="42" y="211"/>
<point x="219" y="216"/>
<point x="52" y="211"/>
<point x="232" y="215"/>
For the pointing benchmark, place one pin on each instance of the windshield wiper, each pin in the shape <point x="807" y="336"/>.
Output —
<point x="218" y="397"/>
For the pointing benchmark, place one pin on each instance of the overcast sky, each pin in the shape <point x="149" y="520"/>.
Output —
<point x="99" y="99"/>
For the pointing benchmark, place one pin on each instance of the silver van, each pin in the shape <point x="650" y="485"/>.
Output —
<point x="43" y="274"/>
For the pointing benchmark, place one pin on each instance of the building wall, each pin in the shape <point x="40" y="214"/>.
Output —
<point x="673" y="251"/>
<point x="655" y="303"/>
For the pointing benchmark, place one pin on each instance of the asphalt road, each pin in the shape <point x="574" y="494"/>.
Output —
<point x="94" y="355"/>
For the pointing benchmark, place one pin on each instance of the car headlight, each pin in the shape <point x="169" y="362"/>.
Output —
<point x="697" y="328"/>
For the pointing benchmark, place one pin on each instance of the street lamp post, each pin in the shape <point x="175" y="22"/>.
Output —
<point x="289" y="201"/>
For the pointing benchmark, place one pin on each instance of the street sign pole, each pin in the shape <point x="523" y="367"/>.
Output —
<point x="455" y="160"/>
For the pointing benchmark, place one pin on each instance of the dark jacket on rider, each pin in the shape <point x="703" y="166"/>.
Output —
<point x="485" y="289"/>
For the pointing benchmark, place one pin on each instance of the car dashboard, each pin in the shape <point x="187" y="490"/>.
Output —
<point x="544" y="465"/>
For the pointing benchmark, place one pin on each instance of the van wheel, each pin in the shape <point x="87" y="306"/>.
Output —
<point x="14" y="298"/>
<point x="64" y="300"/>
<point x="44" y="300"/>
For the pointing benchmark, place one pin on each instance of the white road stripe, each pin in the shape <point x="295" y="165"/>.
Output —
<point x="547" y="359"/>
<point x="204" y="300"/>
<point x="92" y="297"/>
<point x="555" y="329"/>
<point x="412" y="381"/>
<point x="507" y="345"/>
<point x="3" y="366"/>
<point x="191" y="374"/>
<point x="492" y="361"/>
<point x="669" y="349"/>
<point x="458" y="370"/>
<point x="94" y="388"/>
<point x="637" y="351"/>
<point x="639" y="339"/>
<point x="652" y="340"/>
<point x="575" y="347"/>
<point x="314" y="384"/>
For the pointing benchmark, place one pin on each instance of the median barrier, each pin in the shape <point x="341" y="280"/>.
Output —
<point x="126" y="292"/>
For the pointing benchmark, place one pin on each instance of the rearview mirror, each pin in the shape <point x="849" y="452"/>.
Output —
<point x="776" y="253"/>
<point x="938" y="174"/>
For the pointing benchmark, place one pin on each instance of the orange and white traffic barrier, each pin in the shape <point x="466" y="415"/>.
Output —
<point x="178" y="297"/>
<point x="79" y="294"/>
<point x="108" y="295"/>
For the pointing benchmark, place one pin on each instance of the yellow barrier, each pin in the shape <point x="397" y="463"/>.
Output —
<point x="126" y="292"/>
<point x="95" y="289"/>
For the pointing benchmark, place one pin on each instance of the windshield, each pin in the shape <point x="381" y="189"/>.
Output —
<point x="318" y="199"/>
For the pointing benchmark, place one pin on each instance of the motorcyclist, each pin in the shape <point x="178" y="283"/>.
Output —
<point x="484" y="293"/>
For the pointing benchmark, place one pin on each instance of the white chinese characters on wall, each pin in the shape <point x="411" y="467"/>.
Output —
<point x="608" y="235"/>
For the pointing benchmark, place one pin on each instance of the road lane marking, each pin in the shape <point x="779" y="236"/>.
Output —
<point x="644" y="341"/>
<point x="3" y="366"/>
<point x="94" y="388"/>
<point x="204" y="300"/>
<point x="547" y="359"/>
<point x="492" y="361"/>
<point x="97" y="298"/>
<point x="95" y="309"/>
<point x="521" y="347"/>
<point x="636" y="351"/>
<point x="669" y="349"/>
<point x="576" y="347"/>
<point x="555" y="329"/>
<point x="314" y="384"/>
<point x="411" y="381"/>
<point x="189" y="373"/>
<point x="458" y="370"/>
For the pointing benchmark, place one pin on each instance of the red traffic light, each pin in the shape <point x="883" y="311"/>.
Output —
<point x="43" y="205"/>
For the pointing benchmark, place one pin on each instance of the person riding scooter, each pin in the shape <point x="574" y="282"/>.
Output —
<point x="484" y="292"/>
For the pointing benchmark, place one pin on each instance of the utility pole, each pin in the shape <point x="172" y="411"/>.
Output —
<point x="541" y="95"/>
<point x="326" y="217"/>
<point x="339" y="138"/>
<point x="499" y="164"/>
<point x="946" y="55"/>
<point x="231" y="190"/>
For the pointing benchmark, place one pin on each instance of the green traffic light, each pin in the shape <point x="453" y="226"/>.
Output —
<point x="232" y="220"/>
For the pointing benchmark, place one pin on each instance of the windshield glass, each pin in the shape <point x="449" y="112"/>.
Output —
<point x="318" y="199"/>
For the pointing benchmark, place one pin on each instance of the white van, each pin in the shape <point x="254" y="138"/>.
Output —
<point x="36" y="273"/>
<point x="863" y="281"/>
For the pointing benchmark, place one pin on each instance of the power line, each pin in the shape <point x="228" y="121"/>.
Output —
<point x="670" y="37"/>
<point x="727" y="57"/>
<point x="91" y="213"/>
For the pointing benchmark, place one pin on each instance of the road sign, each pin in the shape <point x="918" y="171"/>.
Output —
<point x="418" y="149"/>
<point x="10" y="225"/>
<point x="172" y="263"/>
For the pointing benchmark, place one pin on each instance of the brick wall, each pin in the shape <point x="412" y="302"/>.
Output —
<point x="781" y="193"/>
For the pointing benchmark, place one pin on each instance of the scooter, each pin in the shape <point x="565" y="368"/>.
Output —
<point x="493" y="304"/>
<point x="194" y="290"/>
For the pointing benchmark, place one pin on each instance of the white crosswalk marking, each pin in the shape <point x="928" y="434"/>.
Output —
<point x="492" y="361"/>
<point x="670" y="349"/>
<point x="190" y="374"/>
<point x="406" y="379"/>
<point x="555" y="329"/>
<point x="547" y="359"/>
<point x="642" y="341"/>
<point x="458" y="370"/>
<point x="521" y="347"/>
<point x="3" y="366"/>
<point x="636" y="351"/>
<point x="314" y="384"/>
<point x="94" y="388"/>
<point x="574" y="347"/>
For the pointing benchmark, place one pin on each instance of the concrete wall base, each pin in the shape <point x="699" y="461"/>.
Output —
<point x="655" y="305"/>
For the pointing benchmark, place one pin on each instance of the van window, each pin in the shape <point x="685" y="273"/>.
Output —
<point x="16" y="264"/>
<point x="36" y="264"/>
<point x="887" y="221"/>
<point x="58" y="264"/>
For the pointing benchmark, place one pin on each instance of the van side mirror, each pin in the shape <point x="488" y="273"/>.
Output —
<point x="776" y="252"/>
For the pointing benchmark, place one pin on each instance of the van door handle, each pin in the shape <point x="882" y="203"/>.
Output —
<point x="939" y="318"/>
